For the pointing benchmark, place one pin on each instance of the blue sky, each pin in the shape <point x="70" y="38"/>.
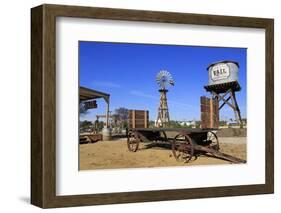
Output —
<point x="128" y="72"/>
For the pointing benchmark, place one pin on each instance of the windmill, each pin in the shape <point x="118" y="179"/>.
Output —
<point x="163" y="79"/>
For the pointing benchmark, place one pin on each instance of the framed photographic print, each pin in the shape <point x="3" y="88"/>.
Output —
<point x="136" y="106"/>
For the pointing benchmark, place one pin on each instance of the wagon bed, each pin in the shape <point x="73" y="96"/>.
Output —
<point x="189" y="130"/>
<point x="187" y="145"/>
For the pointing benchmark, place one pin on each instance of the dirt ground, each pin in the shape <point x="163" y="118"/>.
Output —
<point x="114" y="154"/>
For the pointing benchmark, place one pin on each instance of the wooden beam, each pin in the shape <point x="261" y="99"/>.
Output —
<point x="224" y="103"/>
<point x="237" y="111"/>
<point x="134" y="118"/>
<point x="222" y="99"/>
<point x="145" y="119"/>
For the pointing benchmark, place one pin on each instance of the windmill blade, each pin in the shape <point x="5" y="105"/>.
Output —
<point x="164" y="78"/>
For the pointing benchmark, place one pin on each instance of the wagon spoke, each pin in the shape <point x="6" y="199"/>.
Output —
<point x="213" y="141"/>
<point x="133" y="141"/>
<point x="182" y="148"/>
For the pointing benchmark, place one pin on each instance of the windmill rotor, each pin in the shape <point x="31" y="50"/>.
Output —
<point x="164" y="79"/>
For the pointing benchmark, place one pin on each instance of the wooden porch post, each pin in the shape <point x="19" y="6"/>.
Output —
<point x="107" y="114"/>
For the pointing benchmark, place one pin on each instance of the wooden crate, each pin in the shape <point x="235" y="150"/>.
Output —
<point x="138" y="118"/>
<point x="209" y="112"/>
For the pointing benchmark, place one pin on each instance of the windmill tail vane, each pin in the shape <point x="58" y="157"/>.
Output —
<point x="172" y="82"/>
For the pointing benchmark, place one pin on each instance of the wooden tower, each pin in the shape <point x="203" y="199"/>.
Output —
<point x="225" y="94"/>
<point x="163" y="79"/>
<point x="223" y="84"/>
<point x="163" y="118"/>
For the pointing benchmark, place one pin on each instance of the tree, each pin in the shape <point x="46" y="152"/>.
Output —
<point x="151" y="124"/>
<point x="197" y="124"/>
<point x="85" y="124"/>
<point x="82" y="108"/>
<point x="175" y="124"/>
<point x="222" y="123"/>
<point x="121" y="116"/>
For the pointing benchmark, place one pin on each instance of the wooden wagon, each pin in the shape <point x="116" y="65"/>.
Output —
<point x="188" y="144"/>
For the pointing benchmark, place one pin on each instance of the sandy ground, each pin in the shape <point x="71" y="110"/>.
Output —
<point x="114" y="154"/>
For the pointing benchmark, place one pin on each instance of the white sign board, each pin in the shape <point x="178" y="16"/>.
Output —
<point x="219" y="72"/>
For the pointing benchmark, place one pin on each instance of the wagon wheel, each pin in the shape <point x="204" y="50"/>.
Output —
<point x="213" y="141"/>
<point x="182" y="148"/>
<point x="133" y="141"/>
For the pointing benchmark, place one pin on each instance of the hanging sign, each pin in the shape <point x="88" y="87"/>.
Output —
<point x="90" y="104"/>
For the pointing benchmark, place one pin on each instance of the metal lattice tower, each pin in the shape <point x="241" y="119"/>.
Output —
<point x="163" y="79"/>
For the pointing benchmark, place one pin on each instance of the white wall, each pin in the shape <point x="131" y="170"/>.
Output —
<point x="15" y="106"/>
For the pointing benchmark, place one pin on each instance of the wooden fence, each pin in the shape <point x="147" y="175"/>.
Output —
<point x="138" y="119"/>
<point x="209" y="112"/>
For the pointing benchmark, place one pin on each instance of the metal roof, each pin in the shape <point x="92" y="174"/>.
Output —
<point x="225" y="61"/>
<point x="89" y="94"/>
